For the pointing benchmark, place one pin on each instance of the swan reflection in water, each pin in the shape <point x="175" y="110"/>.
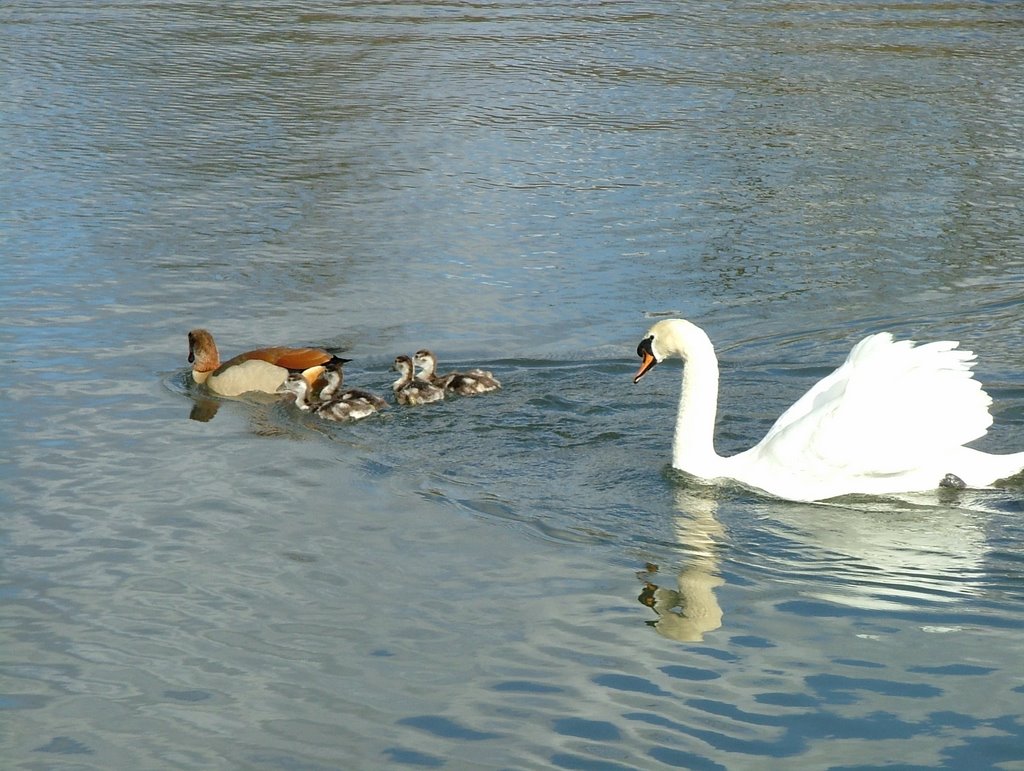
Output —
<point x="690" y="610"/>
<point x="903" y="554"/>
<point x="890" y="555"/>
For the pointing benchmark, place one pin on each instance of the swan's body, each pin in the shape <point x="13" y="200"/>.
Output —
<point x="894" y="418"/>
<point x="475" y="381"/>
<point x="263" y="369"/>
<point x="346" y="405"/>
<point x="410" y="389"/>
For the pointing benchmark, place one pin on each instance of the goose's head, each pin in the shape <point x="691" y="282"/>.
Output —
<point x="202" y="351"/>
<point x="666" y="338"/>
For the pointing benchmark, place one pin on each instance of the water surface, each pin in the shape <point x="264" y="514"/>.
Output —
<point x="513" y="581"/>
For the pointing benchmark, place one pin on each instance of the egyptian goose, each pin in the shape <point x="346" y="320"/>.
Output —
<point x="263" y="369"/>
<point x="475" y="381"/>
<point x="411" y="390"/>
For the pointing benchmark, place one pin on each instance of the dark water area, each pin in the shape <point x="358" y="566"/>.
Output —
<point x="516" y="580"/>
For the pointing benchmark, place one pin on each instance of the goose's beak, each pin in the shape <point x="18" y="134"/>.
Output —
<point x="647" y="359"/>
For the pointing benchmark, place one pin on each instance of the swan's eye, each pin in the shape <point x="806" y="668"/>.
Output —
<point x="645" y="347"/>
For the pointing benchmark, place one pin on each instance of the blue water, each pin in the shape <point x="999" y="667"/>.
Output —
<point x="516" y="580"/>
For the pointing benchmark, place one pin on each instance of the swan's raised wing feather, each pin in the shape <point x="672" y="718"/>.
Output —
<point x="890" y="405"/>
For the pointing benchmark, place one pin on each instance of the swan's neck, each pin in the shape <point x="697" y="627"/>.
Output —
<point x="693" y="448"/>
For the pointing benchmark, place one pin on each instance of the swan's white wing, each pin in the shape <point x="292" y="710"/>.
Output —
<point x="890" y="408"/>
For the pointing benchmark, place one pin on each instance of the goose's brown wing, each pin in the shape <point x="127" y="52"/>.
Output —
<point x="289" y="358"/>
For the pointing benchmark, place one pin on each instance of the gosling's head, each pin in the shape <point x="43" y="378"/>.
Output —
<point x="295" y="383"/>
<point x="425" y="360"/>
<point x="403" y="364"/>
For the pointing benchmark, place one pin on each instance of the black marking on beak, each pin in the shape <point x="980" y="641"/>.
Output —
<point x="645" y="346"/>
<point x="648" y="360"/>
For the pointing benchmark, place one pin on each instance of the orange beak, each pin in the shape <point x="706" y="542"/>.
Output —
<point x="646" y="365"/>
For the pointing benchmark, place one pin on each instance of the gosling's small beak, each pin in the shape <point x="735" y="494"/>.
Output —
<point x="647" y="358"/>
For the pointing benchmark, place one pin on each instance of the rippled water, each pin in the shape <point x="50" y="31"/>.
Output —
<point x="518" y="580"/>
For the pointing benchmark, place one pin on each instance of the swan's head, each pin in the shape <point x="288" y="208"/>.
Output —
<point x="667" y="337"/>
<point x="648" y="358"/>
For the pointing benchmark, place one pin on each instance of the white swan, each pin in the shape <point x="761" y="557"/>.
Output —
<point x="892" y="419"/>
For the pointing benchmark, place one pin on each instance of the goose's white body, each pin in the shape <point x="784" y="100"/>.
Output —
<point x="894" y="418"/>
